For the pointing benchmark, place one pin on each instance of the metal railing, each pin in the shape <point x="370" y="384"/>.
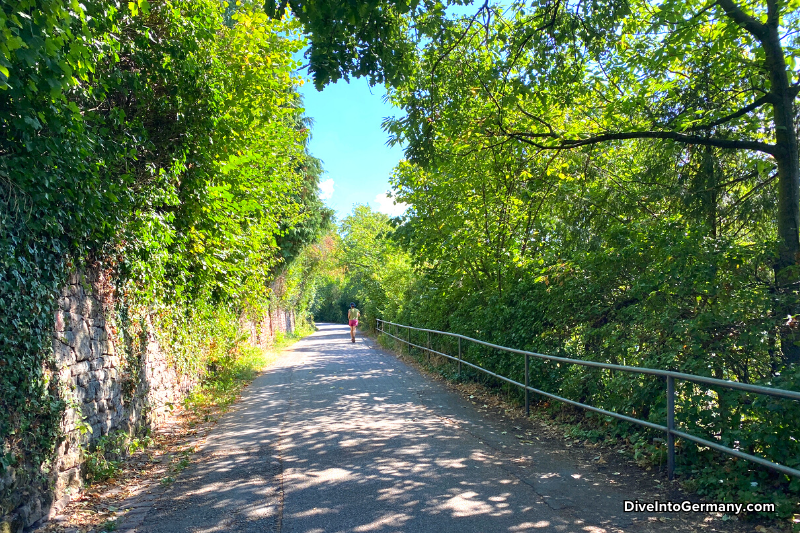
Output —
<point x="670" y="376"/>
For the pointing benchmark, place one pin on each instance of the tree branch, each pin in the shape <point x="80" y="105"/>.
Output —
<point x="730" y="144"/>
<point x="528" y="135"/>
<point x="748" y="22"/>
<point x="548" y="24"/>
<point x="461" y="38"/>
<point x="773" y="13"/>
<point x="767" y="98"/>
<point x="537" y="119"/>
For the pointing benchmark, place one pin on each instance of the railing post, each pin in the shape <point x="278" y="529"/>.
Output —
<point x="527" y="392"/>
<point x="459" y="358"/>
<point x="670" y="427"/>
<point x="408" y="339"/>
<point x="429" y="347"/>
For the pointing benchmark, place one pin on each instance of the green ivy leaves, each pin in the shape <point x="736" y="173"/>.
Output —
<point x="159" y="141"/>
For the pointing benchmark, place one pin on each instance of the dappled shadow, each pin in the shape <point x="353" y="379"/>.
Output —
<point x="339" y="437"/>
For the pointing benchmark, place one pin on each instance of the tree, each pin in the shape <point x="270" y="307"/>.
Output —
<point x="353" y="38"/>
<point x="377" y="270"/>
<point x="562" y="76"/>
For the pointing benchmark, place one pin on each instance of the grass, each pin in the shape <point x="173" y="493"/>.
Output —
<point x="220" y="389"/>
<point x="104" y="461"/>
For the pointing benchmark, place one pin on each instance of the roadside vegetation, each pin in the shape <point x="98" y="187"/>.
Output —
<point x="621" y="457"/>
<point x="163" y="146"/>
<point x="616" y="181"/>
<point x="606" y="182"/>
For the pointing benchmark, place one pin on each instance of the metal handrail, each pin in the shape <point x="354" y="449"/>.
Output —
<point x="670" y="376"/>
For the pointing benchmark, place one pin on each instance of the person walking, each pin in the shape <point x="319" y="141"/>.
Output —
<point x="352" y="317"/>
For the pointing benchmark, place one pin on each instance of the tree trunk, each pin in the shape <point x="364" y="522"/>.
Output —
<point x="786" y="271"/>
<point x="786" y="157"/>
<point x="781" y="96"/>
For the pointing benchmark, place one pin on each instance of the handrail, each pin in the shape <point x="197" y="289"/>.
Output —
<point x="670" y="376"/>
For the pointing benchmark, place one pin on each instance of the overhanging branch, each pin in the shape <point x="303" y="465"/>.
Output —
<point x="748" y="22"/>
<point x="729" y="144"/>
<point x="767" y="98"/>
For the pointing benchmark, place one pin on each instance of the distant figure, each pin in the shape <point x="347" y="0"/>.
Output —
<point x="352" y="317"/>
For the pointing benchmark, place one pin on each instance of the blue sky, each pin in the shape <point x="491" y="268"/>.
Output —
<point x="347" y="136"/>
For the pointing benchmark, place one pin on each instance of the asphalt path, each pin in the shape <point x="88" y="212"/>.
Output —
<point x="342" y="437"/>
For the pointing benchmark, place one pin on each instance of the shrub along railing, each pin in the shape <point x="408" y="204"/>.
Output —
<point x="669" y="429"/>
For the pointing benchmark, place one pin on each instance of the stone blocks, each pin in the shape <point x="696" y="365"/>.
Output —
<point x="91" y="367"/>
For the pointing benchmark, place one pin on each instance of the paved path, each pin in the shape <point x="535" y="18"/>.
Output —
<point x="341" y="437"/>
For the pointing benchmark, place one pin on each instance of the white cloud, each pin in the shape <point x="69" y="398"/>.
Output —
<point x="326" y="189"/>
<point x="387" y="205"/>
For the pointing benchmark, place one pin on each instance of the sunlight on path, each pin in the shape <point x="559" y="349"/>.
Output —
<point x="339" y="437"/>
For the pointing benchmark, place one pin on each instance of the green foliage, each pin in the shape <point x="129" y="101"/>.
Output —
<point x="160" y="143"/>
<point x="333" y="301"/>
<point x="198" y="336"/>
<point x="53" y="200"/>
<point x="227" y="192"/>
<point x="370" y="270"/>
<point x="354" y="38"/>
<point x="307" y="248"/>
<point x="557" y="75"/>
<point x="105" y="460"/>
<point x="317" y="218"/>
<point x="652" y="295"/>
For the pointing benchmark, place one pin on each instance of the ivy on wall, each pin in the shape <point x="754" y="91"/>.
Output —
<point x="160" y="142"/>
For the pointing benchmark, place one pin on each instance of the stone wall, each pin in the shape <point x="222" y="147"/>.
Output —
<point x="103" y="394"/>
<point x="262" y="331"/>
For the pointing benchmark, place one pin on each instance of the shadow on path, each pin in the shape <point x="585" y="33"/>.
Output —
<point x="343" y="437"/>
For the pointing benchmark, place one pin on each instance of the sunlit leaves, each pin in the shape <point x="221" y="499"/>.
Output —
<point x="151" y="140"/>
<point x="354" y="38"/>
<point x="551" y="208"/>
<point x="377" y="271"/>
